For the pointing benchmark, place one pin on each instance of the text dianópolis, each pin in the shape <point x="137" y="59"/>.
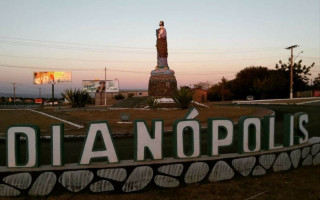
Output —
<point x="253" y="135"/>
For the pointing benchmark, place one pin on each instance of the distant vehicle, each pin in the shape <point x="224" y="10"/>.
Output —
<point x="50" y="103"/>
<point x="250" y="98"/>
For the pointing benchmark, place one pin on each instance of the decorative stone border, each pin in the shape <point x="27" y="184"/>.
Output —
<point x="26" y="106"/>
<point x="129" y="176"/>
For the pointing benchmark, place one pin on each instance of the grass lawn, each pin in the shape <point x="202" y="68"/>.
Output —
<point x="11" y="117"/>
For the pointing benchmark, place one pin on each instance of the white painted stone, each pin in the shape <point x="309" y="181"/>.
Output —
<point x="316" y="159"/>
<point x="102" y="186"/>
<point x="138" y="179"/>
<point x="166" y="181"/>
<point x="305" y="152"/>
<point x="7" y="191"/>
<point x="307" y="161"/>
<point x="119" y="174"/>
<point x="282" y="163"/>
<point x="295" y="157"/>
<point x="267" y="160"/>
<point x="44" y="184"/>
<point x="196" y="172"/>
<point x="173" y="170"/>
<point x="21" y="180"/>
<point x="258" y="171"/>
<point x="244" y="165"/>
<point x="221" y="171"/>
<point x="75" y="181"/>
<point x="315" y="149"/>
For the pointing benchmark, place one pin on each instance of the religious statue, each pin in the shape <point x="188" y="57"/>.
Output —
<point x="162" y="51"/>
<point x="162" y="47"/>
<point x="162" y="82"/>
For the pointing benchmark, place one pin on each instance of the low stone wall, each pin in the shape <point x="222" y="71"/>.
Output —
<point x="129" y="176"/>
<point x="22" y="106"/>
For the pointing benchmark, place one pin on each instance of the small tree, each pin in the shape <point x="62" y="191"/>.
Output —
<point x="76" y="97"/>
<point x="316" y="82"/>
<point x="119" y="96"/>
<point x="152" y="103"/>
<point x="183" y="97"/>
<point x="301" y="74"/>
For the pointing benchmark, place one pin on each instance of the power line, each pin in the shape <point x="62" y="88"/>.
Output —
<point x="310" y="57"/>
<point x="119" y="61"/>
<point x="127" y="47"/>
<point x="72" y="48"/>
<point x="31" y="67"/>
<point x="131" y="51"/>
<point x="100" y="69"/>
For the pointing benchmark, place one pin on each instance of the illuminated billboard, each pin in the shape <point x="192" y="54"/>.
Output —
<point x="100" y="86"/>
<point x="40" y="78"/>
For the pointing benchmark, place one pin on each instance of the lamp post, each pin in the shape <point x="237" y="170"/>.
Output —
<point x="291" y="69"/>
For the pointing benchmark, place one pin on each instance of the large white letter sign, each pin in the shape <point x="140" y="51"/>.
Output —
<point x="288" y="135"/>
<point x="109" y="152"/>
<point x="144" y="142"/>
<point x="220" y="133"/>
<point x="268" y="141"/>
<point x="249" y="141"/>
<point x="303" y="119"/>
<point x="57" y="136"/>
<point x="194" y="127"/>
<point x="31" y="134"/>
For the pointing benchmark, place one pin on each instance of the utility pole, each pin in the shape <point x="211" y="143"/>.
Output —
<point x="14" y="93"/>
<point x="291" y="69"/>
<point x="52" y="94"/>
<point x="105" y="86"/>
<point x="40" y="93"/>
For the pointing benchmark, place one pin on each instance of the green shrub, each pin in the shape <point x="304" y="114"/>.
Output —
<point x="152" y="103"/>
<point x="119" y="96"/>
<point x="76" y="97"/>
<point x="183" y="97"/>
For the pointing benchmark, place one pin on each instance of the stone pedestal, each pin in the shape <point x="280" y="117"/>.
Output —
<point x="162" y="84"/>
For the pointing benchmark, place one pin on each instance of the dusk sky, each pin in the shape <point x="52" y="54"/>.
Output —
<point x="207" y="39"/>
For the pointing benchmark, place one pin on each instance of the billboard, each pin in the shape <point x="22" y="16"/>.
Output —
<point x="100" y="86"/>
<point x="40" y="78"/>
<point x="112" y="86"/>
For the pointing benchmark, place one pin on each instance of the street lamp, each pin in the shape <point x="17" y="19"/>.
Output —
<point x="297" y="56"/>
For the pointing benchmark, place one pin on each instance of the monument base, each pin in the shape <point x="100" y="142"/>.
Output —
<point x="162" y="85"/>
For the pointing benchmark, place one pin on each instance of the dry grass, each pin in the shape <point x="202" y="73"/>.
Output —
<point x="12" y="117"/>
<point x="8" y="118"/>
<point x="168" y="116"/>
